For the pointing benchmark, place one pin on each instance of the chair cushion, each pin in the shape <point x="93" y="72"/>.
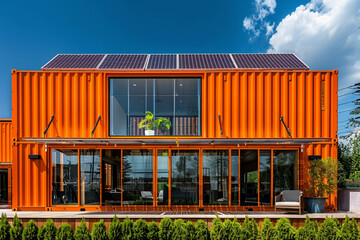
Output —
<point x="287" y="204"/>
<point x="291" y="195"/>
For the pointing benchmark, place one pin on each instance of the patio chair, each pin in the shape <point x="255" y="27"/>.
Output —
<point x="289" y="199"/>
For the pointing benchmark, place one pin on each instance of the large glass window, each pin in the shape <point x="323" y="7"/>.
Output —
<point x="138" y="177"/>
<point x="265" y="177"/>
<point x="3" y="186"/>
<point x="65" y="177"/>
<point x="184" y="177"/>
<point x="163" y="177"/>
<point x="111" y="177"/>
<point x="249" y="177"/>
<point x="177" y="99"/>
<point x="90" y="177"/>
<point x="285" y="170"/>
<point x="235" y="177"/>
<point x="216" y="177"/>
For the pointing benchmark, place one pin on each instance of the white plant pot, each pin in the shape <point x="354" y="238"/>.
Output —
<point x="149" y="132"/>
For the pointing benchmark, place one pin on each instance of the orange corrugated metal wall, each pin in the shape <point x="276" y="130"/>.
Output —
<point x="5" y="141"/>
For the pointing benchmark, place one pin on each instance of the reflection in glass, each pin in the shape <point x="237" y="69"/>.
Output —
<point x="265" y="177"/>
<point x="285" y="170"/>
<point x="111" y="177"/>
<point x="90" y="177"/>
<point x="249" y="177"/>
<point x="138" y="177"/>
<point x="235" y="177"/>
<point x="185" y="177"/>
<point x="163" y="177"/>
<point x="3" y="186"/>
<point x="216" y="177"/>
<point x="65" y="177"/>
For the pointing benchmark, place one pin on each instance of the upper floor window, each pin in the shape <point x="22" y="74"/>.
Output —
<point x="174" y="99"/>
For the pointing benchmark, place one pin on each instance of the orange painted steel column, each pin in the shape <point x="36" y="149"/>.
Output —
<point x="211" y="106"/>
<point x="204" y="103"/>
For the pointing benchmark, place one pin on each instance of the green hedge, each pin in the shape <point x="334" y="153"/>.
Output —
<point x="180" y="230"/>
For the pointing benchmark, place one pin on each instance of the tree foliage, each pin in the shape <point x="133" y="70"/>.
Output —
<point x="268" y="231"/>
<point x="115" y="229"/>
<point x="4" y="228"/>
<point x="64" y="232"/>
<point x="17" y="229"/>
<point x="30" y="231"/>
<point x="82" y="232"/>
<point x="99" y="231"/>
<point x="284" y="229"/>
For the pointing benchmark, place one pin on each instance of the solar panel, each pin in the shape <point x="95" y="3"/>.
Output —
<point x="74" y="61"/>
<point x="205" y="61"/>
<point x="124" y="61"/>
<point x="162" y="61"/>
<point x="268" y="61"/>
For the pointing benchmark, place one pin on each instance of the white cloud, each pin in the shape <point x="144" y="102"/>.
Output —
<point x="256" y="22"/>
<point x="325" y="34"/>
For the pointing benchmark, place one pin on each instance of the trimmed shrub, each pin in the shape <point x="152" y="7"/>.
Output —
<point x="30" y="231"/>
<point x="250" y="229"/>
<point x="284" y="229"/>
<point x="50" y="230"/>
<point x="64" y="232"/>
<point x="202" y="231"/>
<point x="180" y="232"/>
<point x="128" y="233"/>
<point x="41" y="233"/>
<point x="191" y="231"/>
<point x="330" y="229"/>
<point x="4" y="228"/>
<point x="99" y="231"/>
<point x="308" y="231"/>
<point x="82" y="231"/>
<point x="227" y="228"/>
<point x="17" y="229"/>
<point x="268" y="231"/>
<point x="153" y="233"/>
<point x="140" y="230"/>
<point x="166" y="229"/>
<point x="236" y="233"/>
<point x="115" y="229"/>
<point x="216" y="230"/>
<point x="350" y="229"/>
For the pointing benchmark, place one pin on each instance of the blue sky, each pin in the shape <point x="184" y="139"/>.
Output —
<point x="32" y="32"/>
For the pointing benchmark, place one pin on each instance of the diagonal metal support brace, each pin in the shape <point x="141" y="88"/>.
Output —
<point x="96" y="124"/>
<point x="287" y="129"/>
<point x="219" y="116"/>
<point x="47" y="128"/>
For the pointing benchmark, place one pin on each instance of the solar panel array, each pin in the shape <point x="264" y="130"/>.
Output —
<point x="175" y="62"/>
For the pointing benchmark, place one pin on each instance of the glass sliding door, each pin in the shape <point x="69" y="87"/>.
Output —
<point x="285" y="170"/>
<point x="249" y="177"/>
<point x="111" y="160"/>
<point x="265" y="177"/>
<point x="90" y="177"/>
<point x="137" y="177"/>
<point x="65" y="177"/>
<point x="216" y="177"/>
<point x="163" y="177"/>
<point x="235" y="177"/>
<point x="184" y="177"/>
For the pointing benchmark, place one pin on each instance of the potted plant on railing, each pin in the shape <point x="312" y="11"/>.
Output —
<point x="323" y="182"/>
<point x="149" y="123"/>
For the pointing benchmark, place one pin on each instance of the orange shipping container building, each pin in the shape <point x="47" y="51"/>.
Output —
<point x="242" y="129"/>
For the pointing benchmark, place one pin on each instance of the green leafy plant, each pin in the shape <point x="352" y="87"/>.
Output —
<point x="4" y="228"/>
<point x="329" y="230"/>
<point x="284" y="229"/>
<point x="127" y="229"/>
<point x="350" y="229"/>
<point x="30" y="231"/>
<point x="115" y="229"/>
<point x="191" y="231"/>
<point x="166" y="229"/>
<point x="99" y="231"/>
<point x="149" y="122"/>
<point x="41" y="233"/>
<point x="308" y="231"/>
<point x="140" y="230"/>
<point x="153" y="233"/>
<point x="180" y="232"/>
<point x="268" y="231"/>
<point x="236" y="233"/>
<point x="250" y="229"/>
<point x="64" y="232"/>
<point x="202" y="231"/>
<point x="50" y="230"/>
<point x="82" y="232"/>
<point x="323" y="180"/>
<point x="216" y="230"/>
<point x="227" y="228"/>
<point x="16" y="229"/>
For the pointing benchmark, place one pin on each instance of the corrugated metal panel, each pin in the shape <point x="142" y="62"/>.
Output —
<point x="250" y="104"/>
<point x="75" y="99"/>
<point x="5" y="141"/>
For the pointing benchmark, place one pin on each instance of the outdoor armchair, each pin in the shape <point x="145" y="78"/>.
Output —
<point x="289" y="199"/>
